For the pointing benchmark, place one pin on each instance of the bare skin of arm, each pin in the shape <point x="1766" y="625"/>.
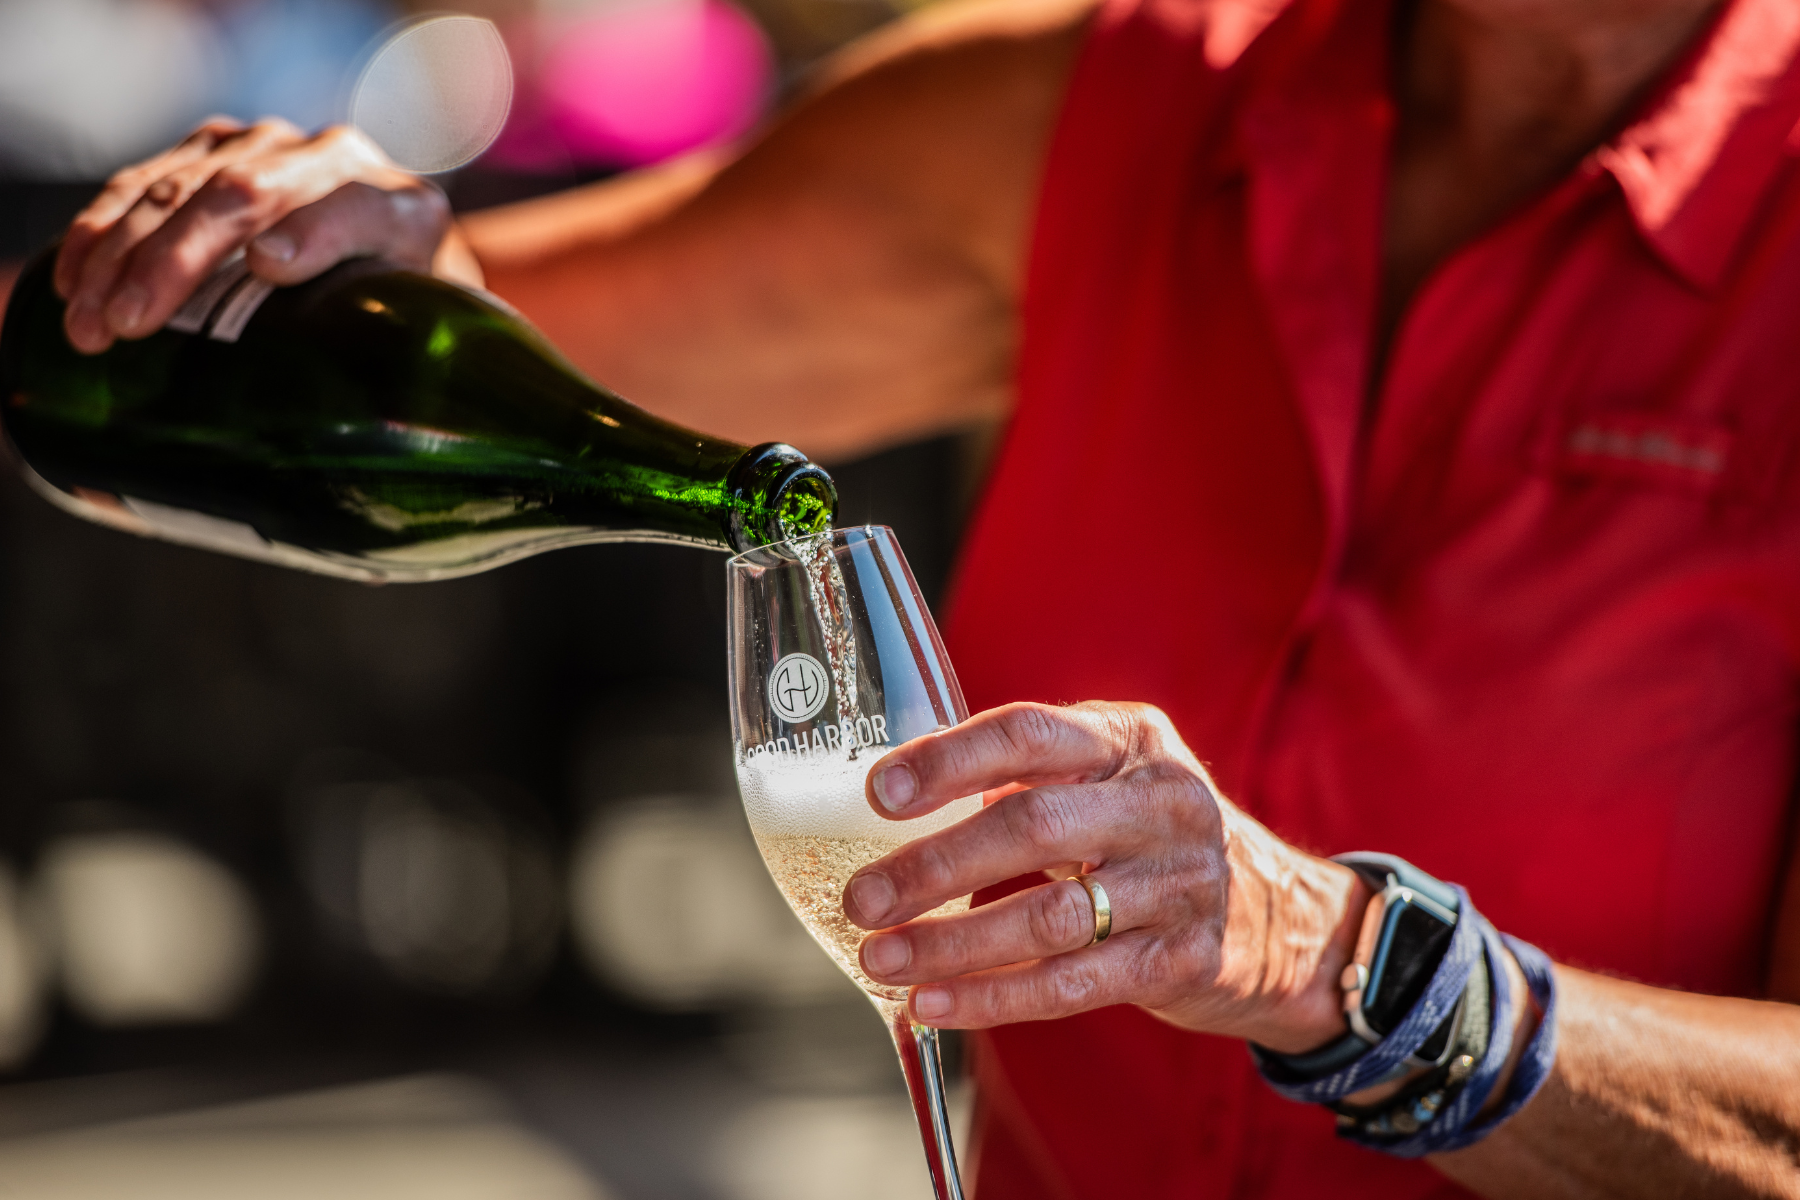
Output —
<point x="1655" y="1093"/>
<point x="1220" y="926"/>
<point x="851" y="280"/>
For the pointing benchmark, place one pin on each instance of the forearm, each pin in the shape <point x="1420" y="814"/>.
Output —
<point x="1655" y="1094"/>
<point x="851" y="278"/>
<point x="728" y="302"/>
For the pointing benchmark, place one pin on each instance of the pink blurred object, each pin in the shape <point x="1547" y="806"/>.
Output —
<point x="635" y="84"/>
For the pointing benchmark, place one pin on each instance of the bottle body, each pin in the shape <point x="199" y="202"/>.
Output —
<point x="373" y="424"/>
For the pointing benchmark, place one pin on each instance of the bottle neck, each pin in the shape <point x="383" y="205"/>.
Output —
<point x="773" y="493"/>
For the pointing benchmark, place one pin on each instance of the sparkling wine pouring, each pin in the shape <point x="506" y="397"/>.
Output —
<point x="835" y="661"/>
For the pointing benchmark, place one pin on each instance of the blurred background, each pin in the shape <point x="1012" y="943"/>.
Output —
<point x="311" y="889"/>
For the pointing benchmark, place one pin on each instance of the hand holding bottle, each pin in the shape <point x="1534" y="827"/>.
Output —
<point x="296" y="204"/>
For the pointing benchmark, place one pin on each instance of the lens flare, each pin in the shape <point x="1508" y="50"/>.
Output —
<point x="437" y="93"/>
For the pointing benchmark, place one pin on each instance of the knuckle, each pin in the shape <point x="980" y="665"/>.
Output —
<point x="351" y="144"/>
<point x="277" y="129"/>
<point x="235" y="184"/>
<point x="1072" y="991"/>
<point x="334" y="137"/>
<point x="215" y="126"/>
<point x="1154" y="728"/>
<point x="1194" y="794"/>
<point x="369" y="201"/>
<point x="1125" y="729"/>
<point x="926" y="869"/>
<point x="168" y="191"/>
<point x="1026" y="731"/>
<point x="205" y="138"/>
<point x="1035" y="727"/>
<point x="423" y="200"/>
<point x="1042" y="819"/>
<point x="1060" y="919"/>
<point x="1157" y="973"/>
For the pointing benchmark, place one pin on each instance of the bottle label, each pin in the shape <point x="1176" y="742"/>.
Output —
<point x="199" y="530"/>
<point x="224" y="304"/>
<point x="146" y="518"/>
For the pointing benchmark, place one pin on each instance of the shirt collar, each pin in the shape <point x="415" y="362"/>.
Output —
<point x="1314" y="130"/>
<point x="1695" y="165"/>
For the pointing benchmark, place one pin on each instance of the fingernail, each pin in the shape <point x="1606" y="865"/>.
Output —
<point x="82" y="322"/>
<point x="885" y="953"/>
<point x="930" y="1002"/>
<point x="895" y="787"/>
<point x="872" y="894"/>
<point x="127" y="308"/>
<point x="278" y="246"/>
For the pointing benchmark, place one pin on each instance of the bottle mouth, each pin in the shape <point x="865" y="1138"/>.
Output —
<point x="778" y="493"/>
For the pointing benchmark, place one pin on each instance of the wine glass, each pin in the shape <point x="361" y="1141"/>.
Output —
<point x="834" y="662"/>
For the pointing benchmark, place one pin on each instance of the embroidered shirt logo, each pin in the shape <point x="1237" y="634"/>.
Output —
<point x="1649" y="447"/>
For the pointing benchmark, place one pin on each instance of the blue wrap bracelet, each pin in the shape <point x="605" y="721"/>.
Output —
<point x="1453" y="1125"/>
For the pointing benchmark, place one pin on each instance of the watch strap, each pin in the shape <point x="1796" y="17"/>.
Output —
<point x="1375" y="869"/>
<point x="1415" y="1105"/>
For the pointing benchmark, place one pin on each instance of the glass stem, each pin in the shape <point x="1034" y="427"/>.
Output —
<point x="919" y="1058"/>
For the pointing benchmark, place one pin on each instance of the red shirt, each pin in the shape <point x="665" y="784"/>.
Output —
<point x="1526" y="612"/>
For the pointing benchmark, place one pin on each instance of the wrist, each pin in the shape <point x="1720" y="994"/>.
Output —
<point x="1310" y="912"/>
<point x="1483" y="1026"/>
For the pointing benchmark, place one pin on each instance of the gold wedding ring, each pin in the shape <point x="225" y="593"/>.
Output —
<point x="1102" y="908"/>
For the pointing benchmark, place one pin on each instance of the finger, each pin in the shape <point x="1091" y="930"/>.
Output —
<point x="1117" y="971"/>
<point x="1025" y="832"/>
<point x="1027" y="743"/>
<point x="110" y="300"/>
<point x="238" y="202"/>
<point x="402" y="222"/>
<point x="125" y="189"/>
<point x="1039" y="922"/>
<point x="145" y="196"/>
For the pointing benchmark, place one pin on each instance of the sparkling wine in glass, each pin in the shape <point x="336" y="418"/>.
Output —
<point x="834" y="662"/>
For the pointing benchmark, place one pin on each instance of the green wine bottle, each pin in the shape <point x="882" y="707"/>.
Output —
<point x="375" y="424"/>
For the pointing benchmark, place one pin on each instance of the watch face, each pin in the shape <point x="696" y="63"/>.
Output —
<point x="1412" y="945"/>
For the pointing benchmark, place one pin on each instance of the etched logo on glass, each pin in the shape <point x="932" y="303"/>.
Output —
<point x="798" y="687"/>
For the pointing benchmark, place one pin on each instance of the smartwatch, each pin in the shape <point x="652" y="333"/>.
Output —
<point x="1405" y="931"/>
